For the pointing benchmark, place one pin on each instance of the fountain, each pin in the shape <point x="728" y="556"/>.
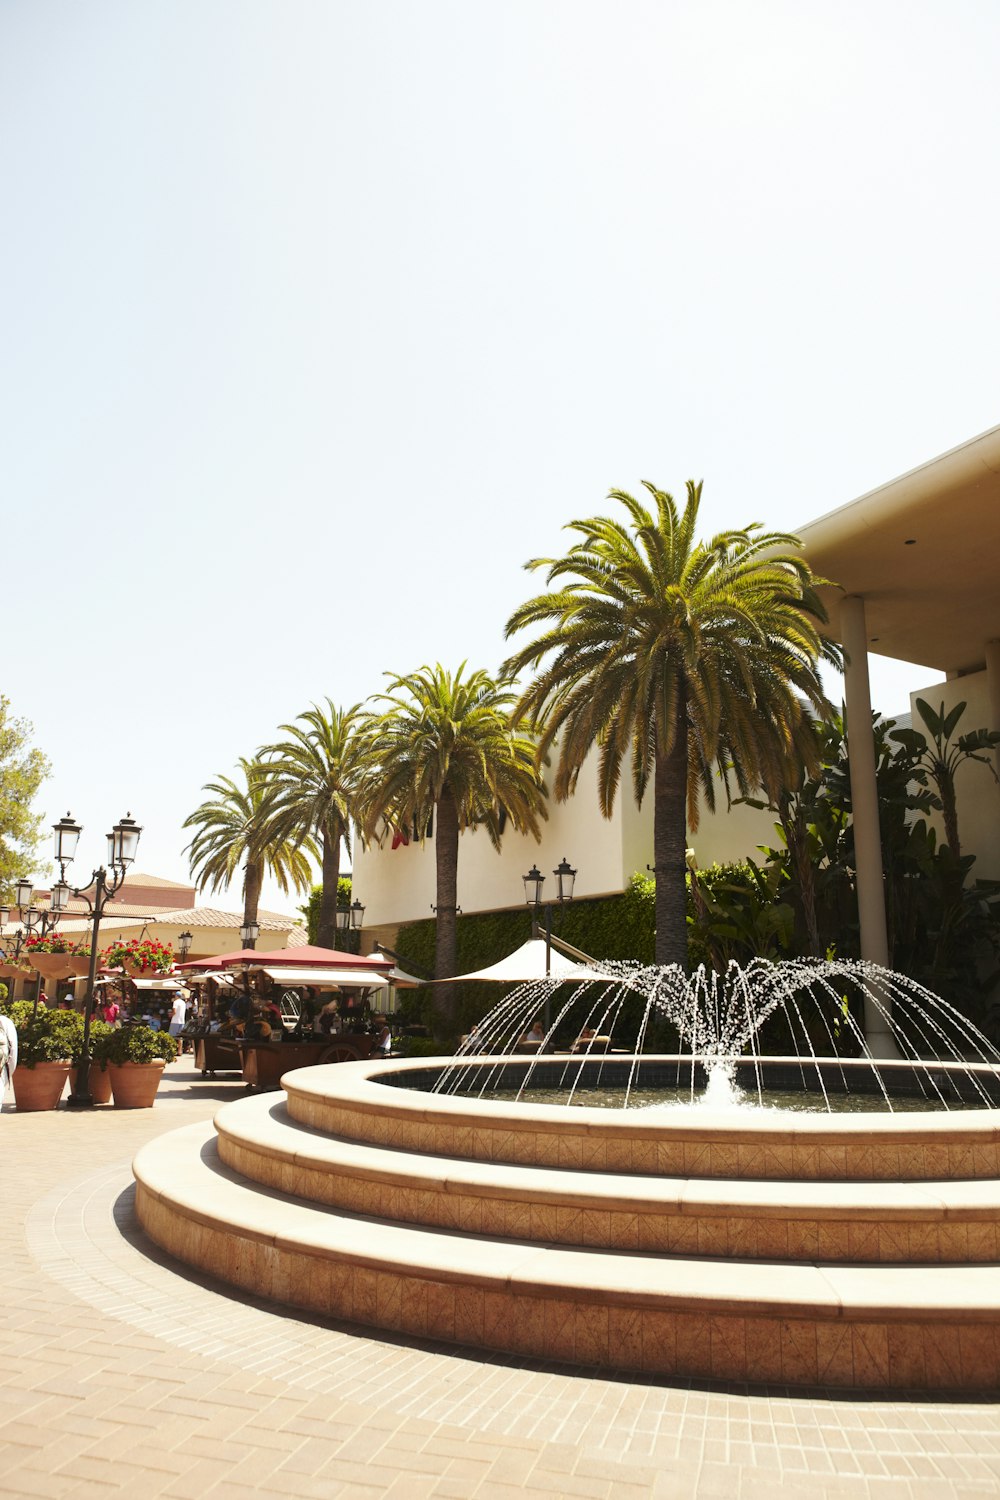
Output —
<point x="690" y="1233"/>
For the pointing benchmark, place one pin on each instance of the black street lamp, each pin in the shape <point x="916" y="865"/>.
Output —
<point x="184" y="942"/>
<point x="533" y="882"/>
<point x="249" y="933"/>
<point x="36" y="921"/>
<point x="349" y="919"/>
<point x="122" y="843"/>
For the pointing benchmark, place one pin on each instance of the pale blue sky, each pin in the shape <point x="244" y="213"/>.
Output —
<point x="320" y="318"/>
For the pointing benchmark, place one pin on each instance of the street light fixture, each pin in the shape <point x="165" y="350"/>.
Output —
<point x="350" y="918"/>
<point x="184" y="942"/>
<point x="249" y="933"/>
<point x="533" y="882"/>
<point x="122" y="842"/>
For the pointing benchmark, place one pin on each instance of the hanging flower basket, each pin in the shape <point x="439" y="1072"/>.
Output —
<point x="141" y="958"/>
<point x="79" y="963"/>
<point x="13" y="971"/>
<point x="51" y="965"/>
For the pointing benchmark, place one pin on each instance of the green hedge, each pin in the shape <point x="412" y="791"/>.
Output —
<point x="347" y="942"/>
<point x="604" y="927"/>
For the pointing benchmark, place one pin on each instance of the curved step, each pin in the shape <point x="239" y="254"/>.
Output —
<point x="877" y="1326"/>
<point x="353" y="1100"/>
<point x="825" y="1221"/>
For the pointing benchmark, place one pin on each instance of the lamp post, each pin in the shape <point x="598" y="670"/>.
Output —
<point x="184" y="941"/>
<point x="123" y="841"/>
<point x="249" y="933"/>
<point x="349" y="919"/>
<point x="533" y="882"/>
<point x="35" y="920"/>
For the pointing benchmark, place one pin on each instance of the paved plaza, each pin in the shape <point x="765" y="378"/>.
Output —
<point x="126" y="1374"/>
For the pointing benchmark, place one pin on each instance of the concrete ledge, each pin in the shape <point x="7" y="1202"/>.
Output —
<point x="353" y="1101"/>
<point x="825" y="1221"/>
<point x="880" y="1327"/>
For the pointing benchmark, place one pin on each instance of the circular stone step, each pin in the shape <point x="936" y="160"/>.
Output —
<point x="872" y="1326"/>
<point x="763" y="1219"/>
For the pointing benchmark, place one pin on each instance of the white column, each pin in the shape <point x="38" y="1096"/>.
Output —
<point x="864" y="797"/>
<point x="993" y="689"/>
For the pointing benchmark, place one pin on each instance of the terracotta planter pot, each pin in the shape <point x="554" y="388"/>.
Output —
<point x="79" y="963"/>
<point x="51" y="965"/>
<point x="134" y="972"/>
<point x="134" y="1085"/>
<point x="100" y="1083"/>
<point x="13" y="971"/>
<point x="40" y="1087"/>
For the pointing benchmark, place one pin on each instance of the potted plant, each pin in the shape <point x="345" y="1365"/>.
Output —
<point x="44" y="1049"/>
<point x="141" y="958"/>
<point x="55" y="956"/>
<point x="136" y="1056"/>
<point x="99" y="1076"/>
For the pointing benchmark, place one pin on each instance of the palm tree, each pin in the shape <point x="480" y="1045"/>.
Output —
<point x="692" y="655"/>
<point x="230" y="838"/>
<point x="313" y="783"/>
<point x="447" y="749"/>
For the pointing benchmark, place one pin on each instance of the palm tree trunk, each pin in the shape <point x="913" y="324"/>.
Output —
<point x="446" y="853"/>
<point x="252" y="882"/>
<point x="670" y="845"/>
<point x="326" y="927"/>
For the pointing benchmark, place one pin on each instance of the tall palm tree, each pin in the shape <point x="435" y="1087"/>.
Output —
<point x="313" y="783"/>
<point x="695" y="656"/>
<point x="230" y="838"/>
<point x="447" y="749"/>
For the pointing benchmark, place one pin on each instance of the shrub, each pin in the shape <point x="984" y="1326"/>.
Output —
<point x="137" y="1044"/>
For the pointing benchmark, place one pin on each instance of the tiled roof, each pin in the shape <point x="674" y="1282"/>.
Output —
<point x="135" y="878"/>
<point x="196" y="916"/>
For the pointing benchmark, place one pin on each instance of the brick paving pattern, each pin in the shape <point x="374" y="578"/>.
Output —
<point x="126" y="1375"/>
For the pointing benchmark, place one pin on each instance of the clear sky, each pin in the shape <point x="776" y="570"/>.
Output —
<point x="320" y="318"/>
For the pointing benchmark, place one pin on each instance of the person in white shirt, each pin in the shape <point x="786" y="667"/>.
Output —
<point x="8" y="1053"/>
<point x="178" y="1017"/>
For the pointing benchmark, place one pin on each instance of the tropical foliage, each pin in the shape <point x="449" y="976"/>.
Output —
<point x="447" y="747"/>
<point x="231" y="840"/>
<point x="312" y="793"/>
<point x="696" y="659"/>
<point x="941" y="758"/>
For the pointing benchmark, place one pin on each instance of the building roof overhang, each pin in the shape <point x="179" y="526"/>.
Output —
<point x="924" y="553"/>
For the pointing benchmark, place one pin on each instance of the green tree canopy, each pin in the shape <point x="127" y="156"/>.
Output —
<point x="688" y="655"/>
<point x="23" y="768"/>
<point x="447" y="749"/>
<point x="231" y="837"/>
<point x="313" y="781"/>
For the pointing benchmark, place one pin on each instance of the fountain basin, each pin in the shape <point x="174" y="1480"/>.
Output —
<point x="387" y="1104"/>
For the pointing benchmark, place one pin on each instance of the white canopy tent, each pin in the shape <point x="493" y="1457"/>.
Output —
<point x="527" y="963"/>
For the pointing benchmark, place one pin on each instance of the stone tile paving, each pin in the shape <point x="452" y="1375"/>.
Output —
<point x="126" y="1375"/>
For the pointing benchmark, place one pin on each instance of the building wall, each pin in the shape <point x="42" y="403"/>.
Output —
<point x="398" y="885"/>
<point x="977" y="793"/>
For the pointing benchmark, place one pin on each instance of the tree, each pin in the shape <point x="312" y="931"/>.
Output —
<point x="447" y="749"/>
<point x="942" y="758"/>
<point x="231" y="837"/>
<point x="313" y="779"/>
<point x="695" y="656"/>
<point x="23" y="768"/>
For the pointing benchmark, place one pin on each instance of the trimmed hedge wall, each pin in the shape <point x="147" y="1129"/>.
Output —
<point x="605" y="927"/>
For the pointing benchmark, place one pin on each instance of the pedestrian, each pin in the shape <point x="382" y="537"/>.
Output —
<point x="178" y="1017"/>
<point x="8" y="1053"/>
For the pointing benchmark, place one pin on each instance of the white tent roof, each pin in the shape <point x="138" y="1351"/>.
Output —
<point x="328" y="978"/>
<point x="527" y="963"/>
